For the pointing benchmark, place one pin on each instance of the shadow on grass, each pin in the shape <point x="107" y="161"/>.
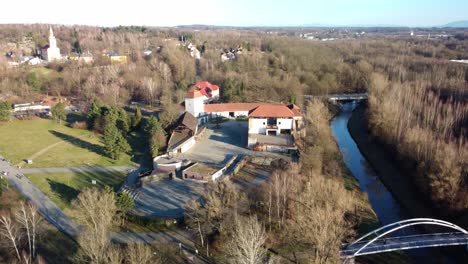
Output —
<point x="79" y="142"/>
<point x="75" y="117"/>
<point x="56" y="247"/>
<point x="65" y="192"/>
<point x="140" y="150"/>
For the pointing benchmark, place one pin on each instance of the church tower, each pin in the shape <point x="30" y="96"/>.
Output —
<point x="53" y="53"/>
<point x="52" y="40"/>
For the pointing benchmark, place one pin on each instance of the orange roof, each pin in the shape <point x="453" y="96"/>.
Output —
<point x="230" y="107"/>
<point x="256" y="109"/>
<point x="295" y="109"/>
<point x="200" y="89"/>
<point x="271" y="111"/>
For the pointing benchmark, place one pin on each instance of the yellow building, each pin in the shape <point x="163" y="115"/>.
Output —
<point x="116" y="58"/>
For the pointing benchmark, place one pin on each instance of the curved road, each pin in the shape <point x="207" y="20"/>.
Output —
<point x="55" y="216"/>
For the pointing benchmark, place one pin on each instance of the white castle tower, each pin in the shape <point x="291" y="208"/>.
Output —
<point x="52" y="53"/>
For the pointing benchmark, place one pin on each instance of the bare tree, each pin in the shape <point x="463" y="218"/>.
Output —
<point x="247" y="243"/>
<point x="10" y="231"/>
<point x="140" y="254"/>
<point x="113" y="255"/>
<point x="95" y="210"/>
<point x="28" y="218"/>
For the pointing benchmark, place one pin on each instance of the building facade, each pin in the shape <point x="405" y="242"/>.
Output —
<point x="51" y="52"/>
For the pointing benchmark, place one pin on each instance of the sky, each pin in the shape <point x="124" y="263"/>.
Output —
<point x="235" y="12"/>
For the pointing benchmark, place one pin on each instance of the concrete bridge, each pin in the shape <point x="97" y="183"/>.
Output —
<point x="382" y="243"/>
<point x="340" y="97"/>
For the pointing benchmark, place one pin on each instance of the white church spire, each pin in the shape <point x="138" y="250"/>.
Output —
<point x="53" y="52"/>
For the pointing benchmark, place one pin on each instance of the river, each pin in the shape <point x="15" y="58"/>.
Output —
<point x="388" y="210"/>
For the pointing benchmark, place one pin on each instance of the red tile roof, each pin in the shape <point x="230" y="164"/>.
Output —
<point x="256" y="109"/>
<point x="230" y="107"/>
<point x="202" y="88"/>
<point x="271" y="111"/>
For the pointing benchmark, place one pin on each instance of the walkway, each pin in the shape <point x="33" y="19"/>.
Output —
<point x="48" y="209"/>
<point x="55" y="216"/>
<point x="77" y="169"/>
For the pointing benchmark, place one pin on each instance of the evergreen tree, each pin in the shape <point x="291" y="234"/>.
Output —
<point x="94" y="112"/>
<point x="228" y="89"/>
<point x="4" y="111"/>
<point x="152" y="126"/>
<point x="155" y="134"/>
<point x="114" y="142"/>
<point x="123" y="122"/>
<point x="136" y="120"/>
<point x="58" y="112"/>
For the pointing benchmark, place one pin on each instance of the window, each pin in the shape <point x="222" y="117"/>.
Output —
<point x="279" y="123"/>
<point x="263" y="123"/>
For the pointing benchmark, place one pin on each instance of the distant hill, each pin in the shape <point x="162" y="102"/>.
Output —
<point x="457" y="24"/>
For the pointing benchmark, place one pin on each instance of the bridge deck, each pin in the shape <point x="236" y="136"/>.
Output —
<point x="340" y="97"/>
<point x="406" y="242"/>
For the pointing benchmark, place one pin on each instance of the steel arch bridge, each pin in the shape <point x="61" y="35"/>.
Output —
<point x="380" y="243"/>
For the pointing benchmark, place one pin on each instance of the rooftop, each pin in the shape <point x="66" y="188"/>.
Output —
<point x="257" y="109"/>
<point x="202" y="88"/>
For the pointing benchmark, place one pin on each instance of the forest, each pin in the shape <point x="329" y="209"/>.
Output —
<point x="417" y="110"/>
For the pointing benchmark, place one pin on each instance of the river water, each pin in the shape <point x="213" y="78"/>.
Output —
<point x="382" y="201"/>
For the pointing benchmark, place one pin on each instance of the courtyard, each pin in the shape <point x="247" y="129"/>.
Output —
<point x="218" y="145"/>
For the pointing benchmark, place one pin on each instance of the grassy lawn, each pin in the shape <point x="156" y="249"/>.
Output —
<point x="22" y="139"/>
<point x="56" y="247"/>
<point x="201" y="168"/>
<point x="63" y="188"/>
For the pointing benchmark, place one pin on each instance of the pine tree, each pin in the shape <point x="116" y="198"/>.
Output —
<point x="136" y="121"/>
<point x="94" y="112"/>
<point x="114" y="142"/>
<point x="4" y="111"/>
<point x="58" y="112"/>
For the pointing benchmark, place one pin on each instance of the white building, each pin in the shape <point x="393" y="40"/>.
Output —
<point x="51" y="52"/>
<point x="199" y="95"/>
<point x="264" y="118"/>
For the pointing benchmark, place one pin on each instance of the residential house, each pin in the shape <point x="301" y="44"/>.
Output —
<point x="183" y="137"/>
<point x="82" y="58"/>
<point x="116" y="57"/>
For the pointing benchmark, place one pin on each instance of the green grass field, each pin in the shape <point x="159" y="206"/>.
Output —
<point x="63" y="188"/>
<point x="21" y="139"/>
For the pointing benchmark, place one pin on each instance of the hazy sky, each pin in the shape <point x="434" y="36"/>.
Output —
<point x="234" y="12"/>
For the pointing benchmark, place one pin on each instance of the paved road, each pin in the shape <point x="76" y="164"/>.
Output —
<point x="77" y="169"/>
<point x="55" y="216"/>
<point x="48" y="209"/>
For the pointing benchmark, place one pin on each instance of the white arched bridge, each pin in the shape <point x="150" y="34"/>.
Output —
<point x="379" y="240"/>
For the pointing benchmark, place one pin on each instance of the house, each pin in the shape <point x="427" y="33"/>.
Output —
<point x="116" y="57"/>
<point x="51" y="52"/>
<point x="30" y="60"/>
<point x="34" y="106"/>
<point x="147" y="52"/>
<point x="264" y="118"/>
<point x="183" y="137"/>
<point x="194" y="52"/>
<point x="82" y="57"/>
<point x="200" y="94"/>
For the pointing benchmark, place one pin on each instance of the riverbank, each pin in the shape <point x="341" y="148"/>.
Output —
<point x="397" y="183"/>
<point x="395" y="180"/>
